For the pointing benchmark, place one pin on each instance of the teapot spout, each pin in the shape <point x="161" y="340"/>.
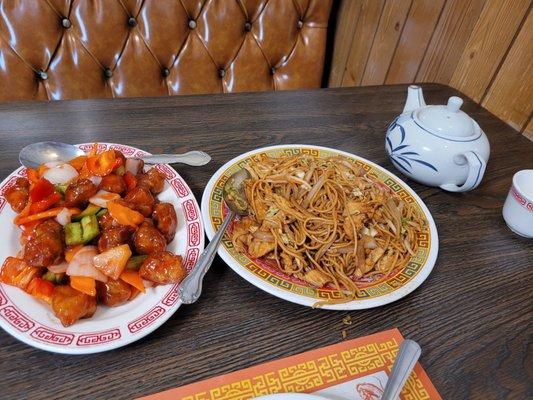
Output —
<point x="415" y="98"/>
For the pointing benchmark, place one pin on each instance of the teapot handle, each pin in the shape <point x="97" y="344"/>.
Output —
<point x="476" y="169"/>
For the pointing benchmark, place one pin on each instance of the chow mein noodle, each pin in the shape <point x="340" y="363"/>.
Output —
<point x="326" y="222"/>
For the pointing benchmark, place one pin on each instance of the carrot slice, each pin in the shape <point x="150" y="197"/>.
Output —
<point x="24" y="219"/>
<point x="84" y="284"/>
<point x="133" y="278"/>
<point x="33" y="175"/>
<point x="124" y="215"/>
<point x="78" y="162"/>
<point x="42" y="169"/>
<point x="134" y="293"/>
<point x="70" y="252"/>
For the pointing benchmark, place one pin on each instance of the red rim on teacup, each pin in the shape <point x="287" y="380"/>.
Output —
<point x="522" y="193"/>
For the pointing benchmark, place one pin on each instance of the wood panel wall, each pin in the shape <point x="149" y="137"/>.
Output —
<point x="483" y="48"/>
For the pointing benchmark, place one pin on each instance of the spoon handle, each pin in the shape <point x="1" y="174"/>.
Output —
<point x="406" y="359"/>
<point x="194" y="158"/>
<point x="191" y="287"/>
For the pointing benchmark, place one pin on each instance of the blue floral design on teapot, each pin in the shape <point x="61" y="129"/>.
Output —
<point x="437" y="145"/>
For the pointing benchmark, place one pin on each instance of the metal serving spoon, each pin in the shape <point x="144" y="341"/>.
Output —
<point x="406" y="359"/>
<point x="39" y="153"/>
<point x="235" y="198"/>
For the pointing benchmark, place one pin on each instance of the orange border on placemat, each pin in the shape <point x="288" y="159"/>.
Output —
<point x="383" y="346"/>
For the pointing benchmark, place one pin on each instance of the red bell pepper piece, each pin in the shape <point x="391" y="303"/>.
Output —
<point x="118" y="162"/>
<point x="45" y="204"/>
<point x="130" y="180"/>
<point x="41" y="289"/>
<point x="41" y="190"/>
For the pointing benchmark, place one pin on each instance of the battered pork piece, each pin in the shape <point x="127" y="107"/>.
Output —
<point x="78" y="194"/>
<point x="17" y="194"/>
<point x="163" y="267"/>
<point x="140" y="199"/>
<point x="106" y="222"/>
<point x="119" y="154"/>
<point x="115" y="236"/>
<point x="113" y="183"/>
<point x="148" y="239"/>
<point x="46" y="246"/>
<point x="165" y="220"/>
<point x="69" y="305"/>
<point x="152" y="180"/>
<point x="113" y="293"/>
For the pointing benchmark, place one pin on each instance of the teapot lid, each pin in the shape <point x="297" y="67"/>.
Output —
<point x="446" y="120"/>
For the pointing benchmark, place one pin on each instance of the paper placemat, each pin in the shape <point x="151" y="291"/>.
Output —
<point x="352" y="370"/>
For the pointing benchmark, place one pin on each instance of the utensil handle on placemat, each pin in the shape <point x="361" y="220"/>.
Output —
<point x="406" y="359"/>
<point x="194" y="158"/>
<point x="190" y="289"/>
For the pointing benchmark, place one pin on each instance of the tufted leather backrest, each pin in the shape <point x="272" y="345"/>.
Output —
<point x="71" y="49"/>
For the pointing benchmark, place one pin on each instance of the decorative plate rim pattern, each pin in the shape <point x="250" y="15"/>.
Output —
<point x="395" y="287"/>
<point x="58" y="339"/>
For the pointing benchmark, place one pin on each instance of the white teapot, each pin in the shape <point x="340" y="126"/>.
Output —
<point x="438" y="145"/>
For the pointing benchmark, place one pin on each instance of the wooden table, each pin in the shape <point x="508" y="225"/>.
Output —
<point x="473" y="315"/>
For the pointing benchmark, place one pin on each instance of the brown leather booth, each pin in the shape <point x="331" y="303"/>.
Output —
<point x="72" y="49"/>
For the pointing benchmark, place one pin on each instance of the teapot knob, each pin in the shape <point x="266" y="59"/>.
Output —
<point x="454" y="103"/>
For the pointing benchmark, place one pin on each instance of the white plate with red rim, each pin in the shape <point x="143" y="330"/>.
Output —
<point x="269" y="278"/>
<point x="34" y="323"/>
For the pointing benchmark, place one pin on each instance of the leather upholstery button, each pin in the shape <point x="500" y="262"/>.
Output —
<point x="272" y="71"/>
<point x="92" y="49"/>
<point x="42" y="75"/>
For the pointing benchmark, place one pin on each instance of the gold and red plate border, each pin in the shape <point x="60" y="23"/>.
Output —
<point x="214" y="210"/>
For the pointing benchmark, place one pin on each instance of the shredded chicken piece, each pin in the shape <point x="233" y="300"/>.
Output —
<point x="349" y="222"/>
<point x="316" y="278"/>
<point x="385" y="263"/>
<point x="356" y="207"/>
<point x="241" y="232"/>
<point x="374" y="256"/>
<point x="259" y="248"/>
<point x="286" y="260"/>
<point x="370" y="261"/>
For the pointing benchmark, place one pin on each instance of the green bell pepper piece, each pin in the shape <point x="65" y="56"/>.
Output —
<point x="73" y="234"/>
<point x="54" y="278"/>
<point x="135" y="262"/>
<point x="90" y="210"/>
<point x="61" y="188"/>
<point x="89" y="225"/>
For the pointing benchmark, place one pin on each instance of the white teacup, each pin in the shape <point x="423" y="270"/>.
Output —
<point x="518" y="207"/>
